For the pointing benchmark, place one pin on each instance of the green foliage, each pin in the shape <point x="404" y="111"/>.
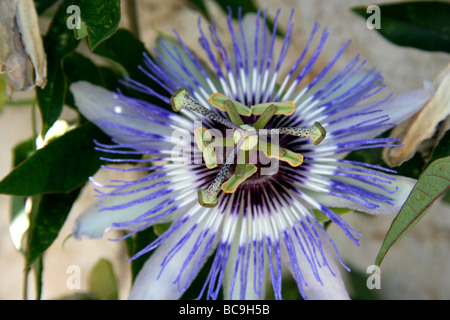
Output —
<point x="102" y="281"/>
<point x="61" y="166"/>
<point x="419" y="24"/>
<point x="101" y="19"/>
<point x="126" y="53"/>
<point x="433" y="183"/>
<point x="137" y="243"/>
<point x="51" y="213"/>
<point x="58" y="42"/>
<point x="42" y="5"/>
<point x="441" y="150"/>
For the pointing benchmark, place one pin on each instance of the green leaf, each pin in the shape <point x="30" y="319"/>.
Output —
<point x="61" y="166"/>
<point x="101" y="19"/>
<point x="78" y="296"/>
<point x="442" y="149"/>
<point x="135" y="244"/>
<point x="82" y="32"/>
<point x="126" y="50"/>
<point x="159" y="229"/>
<point x="18" y="216"/>
<point x="446" y="197"/>
<point x="102" y="281"/>
<point x="38" y="268"/>
<point x="419" y="24"/>
<point x="433" y="183"/>
<point x="23" y="151"/>
<point x="357" y="280"/>
<point x="58" y="42"/>
<point x="77" y="68"/>
<point x="323" y="218"/>
<point x="42" y="5"/>
<point x="52" y="211"/>
<point x="20" y="153"/>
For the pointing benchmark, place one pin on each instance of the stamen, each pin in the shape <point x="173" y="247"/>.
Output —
<point x="265" y="117"/>
<point x="209" y="152"/>
<point x="209" y="155"/>
<point x="277" y="152"/>
<point x="294" y="159"/>
<point x="241" y="163"/>
<point x="208" y="197"/>
<point x="286" y="108"/>
<point x="205" y="143"/>
<point x="218" y="100"/>
<point x="231" y="184"/>
<point x="232" y="113"/>
<point x="202" y="137"/>
<point x="269" y="149"/>
<point x="181" y="99"/>
<point x="316" y="133"/>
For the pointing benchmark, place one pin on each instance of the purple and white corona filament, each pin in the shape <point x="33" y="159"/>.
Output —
<point x="253" y="222"/>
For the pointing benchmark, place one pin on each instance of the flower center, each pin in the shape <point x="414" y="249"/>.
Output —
<point x="244" y="141"/>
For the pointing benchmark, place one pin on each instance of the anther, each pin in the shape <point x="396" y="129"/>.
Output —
<point x="233" y="113"/>
<point x="316" y="133"/>
<point x="218" y="100"/>
<point x="265" y="117"/>
<point x="202" y="137"/>
<point x="177" y="101"/>
<point x="205" y="143"/>
<point x="277" y="152"/>
<point x="241" y="163"/>
<point x="181" y="99"/>
<point x="286" y="108"/>
<point x="208" y="197"/>
<point x="231" y="184"/>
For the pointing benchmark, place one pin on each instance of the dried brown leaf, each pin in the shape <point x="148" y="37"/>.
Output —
<point x="21" y="49"/>
<point x="423" y="125"/>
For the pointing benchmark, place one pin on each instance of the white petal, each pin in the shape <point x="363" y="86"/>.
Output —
<point x="230" y="271"/>
<point x="147" y="285"/>
<point x="399" y="108"/>
<point x="332" y="286"/>
<point x="404" y="185"/>
<point x="186" y="71"/>
<point x="98" y="105"/>
<point x="404" y="105"/>
<point x="93" y="223"/>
